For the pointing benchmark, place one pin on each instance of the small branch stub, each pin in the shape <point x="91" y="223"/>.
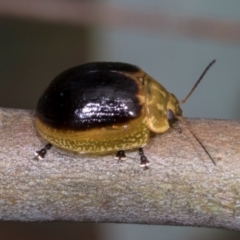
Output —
<point x="181" y="187"/>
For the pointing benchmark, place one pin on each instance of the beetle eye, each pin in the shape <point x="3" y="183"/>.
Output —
<point x="170" y="116"/>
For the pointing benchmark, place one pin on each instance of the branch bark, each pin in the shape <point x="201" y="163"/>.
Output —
<point x="182" y="186"/>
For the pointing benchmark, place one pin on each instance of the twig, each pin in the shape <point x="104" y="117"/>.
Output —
<point x="182" y="186"/>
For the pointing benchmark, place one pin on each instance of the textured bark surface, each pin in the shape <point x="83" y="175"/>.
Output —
<point x="182" y="186"/>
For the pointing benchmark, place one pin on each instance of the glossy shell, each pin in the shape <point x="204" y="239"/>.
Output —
<point x="103" y="106"/>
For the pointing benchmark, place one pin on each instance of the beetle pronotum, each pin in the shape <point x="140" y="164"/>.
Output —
<point x="104" y="107"/>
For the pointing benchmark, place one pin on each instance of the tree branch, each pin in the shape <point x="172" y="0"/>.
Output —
<point x="182" y="186"/>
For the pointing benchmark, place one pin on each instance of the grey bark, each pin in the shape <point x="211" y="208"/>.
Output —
<point x="181" y="187"/>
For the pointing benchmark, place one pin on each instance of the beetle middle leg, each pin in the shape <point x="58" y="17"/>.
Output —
<point x="120" y="155"/>
<point x="39" y="155"/>
<point x="143" y="159"/>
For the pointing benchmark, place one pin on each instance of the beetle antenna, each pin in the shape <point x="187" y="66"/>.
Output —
<point x="197" y="139"/>
<point x="198" y="81"/>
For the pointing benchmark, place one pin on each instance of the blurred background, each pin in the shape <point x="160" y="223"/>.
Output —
<point x="171" y="40"/>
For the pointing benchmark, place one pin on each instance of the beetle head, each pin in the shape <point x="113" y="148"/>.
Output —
<point x="173" y="109"/>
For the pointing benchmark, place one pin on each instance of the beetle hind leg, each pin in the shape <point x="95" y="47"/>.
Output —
<point x="120" y="155"/>
<point x="143" y="159"/>
<point x="39" y="155"/>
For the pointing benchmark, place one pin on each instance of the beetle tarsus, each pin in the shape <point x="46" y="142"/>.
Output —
<point x="143" y="159"/>
<point x="39" y="155"/>
<point x="120" y="155"/>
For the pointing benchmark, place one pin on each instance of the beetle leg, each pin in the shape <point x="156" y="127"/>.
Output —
<point x="120" y="155"/>
<point x="39" y="155"/>
<point x="143" y="160"/>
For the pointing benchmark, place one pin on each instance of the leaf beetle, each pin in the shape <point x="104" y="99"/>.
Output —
<point x="103" y="107"/>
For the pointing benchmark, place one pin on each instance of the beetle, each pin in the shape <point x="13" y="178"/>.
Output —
<point x="103" y="107"/>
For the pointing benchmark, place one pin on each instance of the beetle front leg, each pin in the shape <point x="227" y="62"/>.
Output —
<point x="143" y="159"/>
